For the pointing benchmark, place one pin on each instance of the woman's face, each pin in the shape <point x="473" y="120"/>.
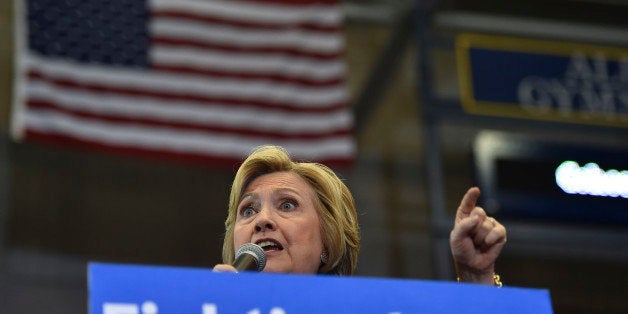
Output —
<point x="277" y="211"/>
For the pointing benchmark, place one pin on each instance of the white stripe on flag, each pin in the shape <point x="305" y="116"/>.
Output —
<point x="117" y="134"/>
<point x="185" y="84"/>
<point x="257" y="63"/>
<point x="189" y="112"/>
<point x="323" y="14"/>
<point x="289" y="38"/>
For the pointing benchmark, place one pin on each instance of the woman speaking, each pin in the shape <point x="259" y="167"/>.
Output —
<point x="304" y="218"/>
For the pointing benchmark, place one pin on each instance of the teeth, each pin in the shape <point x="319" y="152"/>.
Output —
<point x="265" y="244"/>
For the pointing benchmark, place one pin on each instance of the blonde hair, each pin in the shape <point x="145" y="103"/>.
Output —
<point x="334" y="202"/>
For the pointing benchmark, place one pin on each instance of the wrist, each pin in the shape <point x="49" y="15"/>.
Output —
<point x="493" y="279"/>
<point x="485" y="277"/>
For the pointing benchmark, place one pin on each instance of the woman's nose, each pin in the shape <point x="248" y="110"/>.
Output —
<point x="264" y="221"/>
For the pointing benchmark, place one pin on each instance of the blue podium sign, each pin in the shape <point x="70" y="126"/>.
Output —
<point x="133" y="289"/>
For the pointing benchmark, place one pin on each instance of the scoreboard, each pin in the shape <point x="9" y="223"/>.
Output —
<point x="527" y="178"/>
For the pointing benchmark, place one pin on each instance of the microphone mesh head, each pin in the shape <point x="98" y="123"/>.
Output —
<point x="254" y="250"/>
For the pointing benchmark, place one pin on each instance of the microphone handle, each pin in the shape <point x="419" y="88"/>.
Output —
<point x="245" y="261"/>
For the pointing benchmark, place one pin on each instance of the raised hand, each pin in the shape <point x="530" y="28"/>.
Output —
<point x="476" y="241"/>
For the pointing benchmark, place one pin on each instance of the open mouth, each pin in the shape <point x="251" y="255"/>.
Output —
<point x="269" y="245"/>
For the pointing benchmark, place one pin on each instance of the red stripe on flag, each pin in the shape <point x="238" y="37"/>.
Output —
<point x="188" y="126"/>
<point x="156" y="154"/>
<point x="104" y="89"/>
<point x="294" y="52"/>
<point x="295" y="2"/>
<point x="251" y="76"/>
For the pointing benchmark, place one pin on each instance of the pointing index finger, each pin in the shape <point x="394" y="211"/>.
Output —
<point x="467" y="204"/>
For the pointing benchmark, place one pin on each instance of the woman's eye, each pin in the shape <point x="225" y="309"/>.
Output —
<point x="246" y="212"/>
<point x="288" y="206"/>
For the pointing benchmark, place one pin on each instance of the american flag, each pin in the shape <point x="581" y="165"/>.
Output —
<point x="192" y="80"/>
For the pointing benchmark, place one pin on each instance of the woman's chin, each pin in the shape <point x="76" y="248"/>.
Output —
<point x="271" y="269"/>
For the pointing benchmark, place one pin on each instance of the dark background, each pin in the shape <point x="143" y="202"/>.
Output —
<point x="61" y="208"/>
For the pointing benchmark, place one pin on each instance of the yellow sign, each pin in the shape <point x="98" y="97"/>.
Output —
<point x="543" y="80"/>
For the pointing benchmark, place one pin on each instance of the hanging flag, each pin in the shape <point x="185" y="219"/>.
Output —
<point x="190" y="80"/>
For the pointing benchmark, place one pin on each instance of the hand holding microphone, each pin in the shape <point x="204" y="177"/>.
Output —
<point x="249" y="257"/>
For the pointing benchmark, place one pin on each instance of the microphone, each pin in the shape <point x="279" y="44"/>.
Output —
<point x="250" y="257"/>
